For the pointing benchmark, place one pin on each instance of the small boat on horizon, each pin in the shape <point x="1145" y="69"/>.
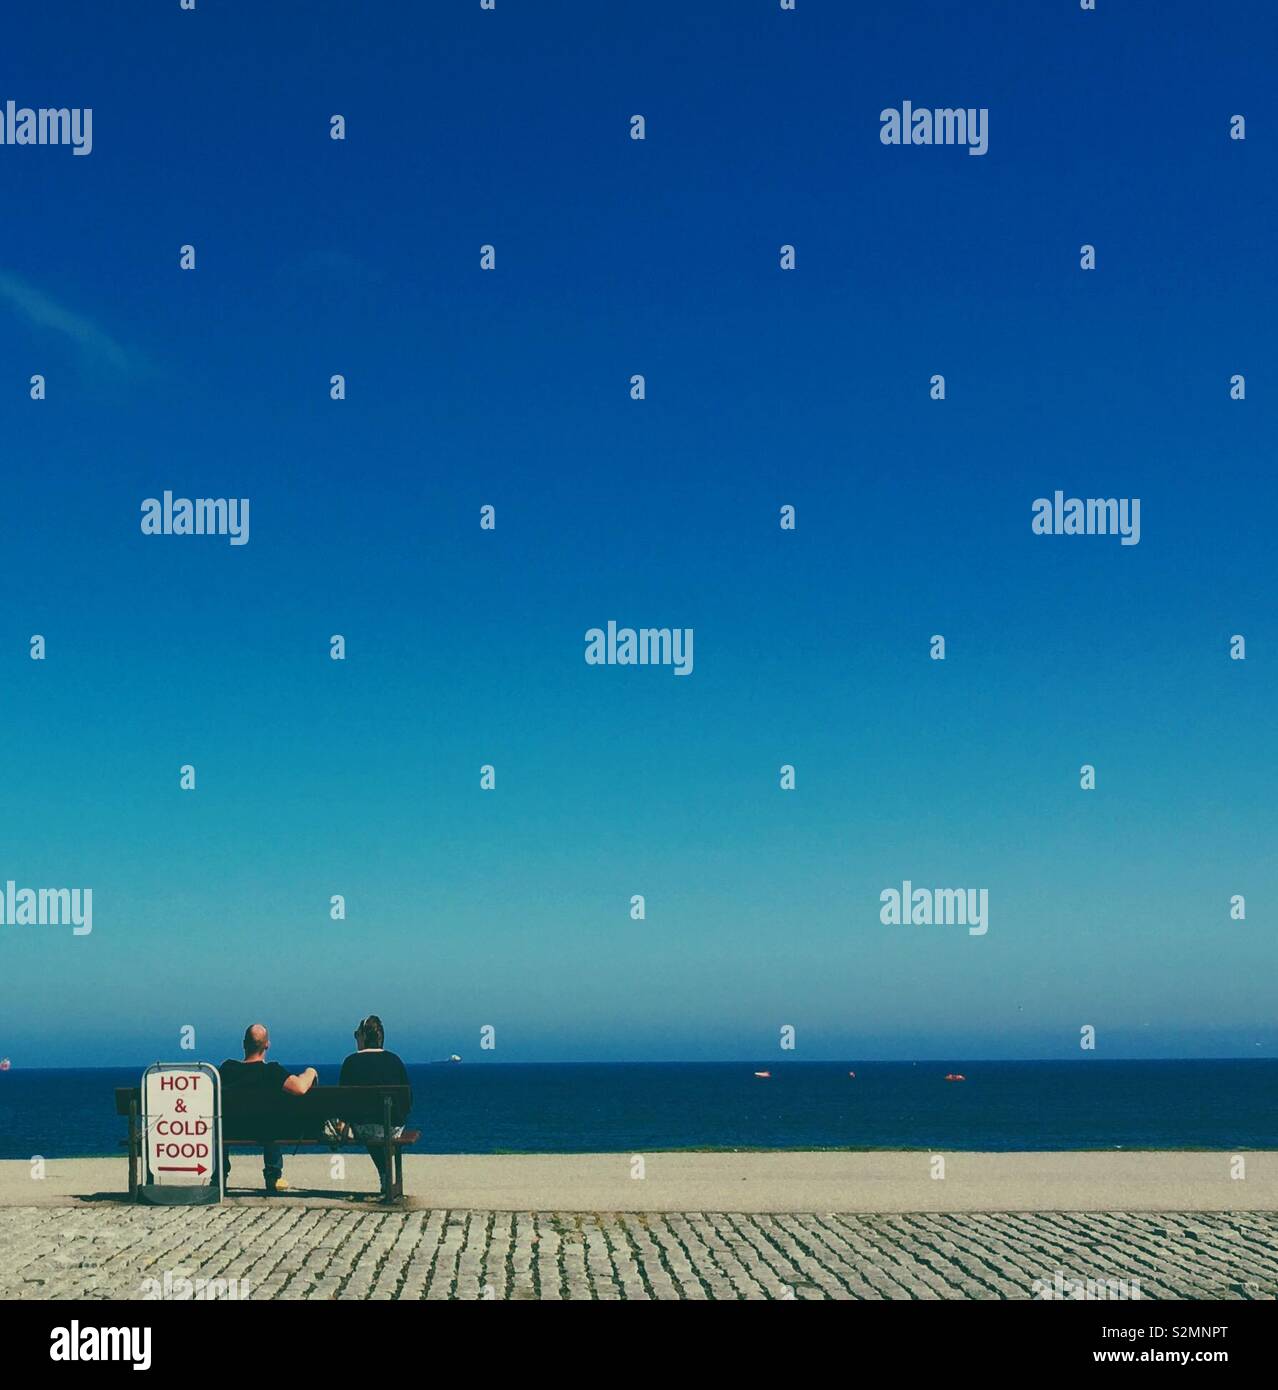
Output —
<point x="5" y="1064"/>
<point x="763" y="1073"/>
<point x="956" y="1076"/>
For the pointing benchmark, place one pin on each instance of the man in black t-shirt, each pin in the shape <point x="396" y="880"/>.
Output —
<point x="372" y="1065"/>
<point x="255" y="1075"/>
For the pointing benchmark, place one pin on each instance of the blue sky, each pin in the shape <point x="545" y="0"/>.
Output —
<point x="511" y="388"/>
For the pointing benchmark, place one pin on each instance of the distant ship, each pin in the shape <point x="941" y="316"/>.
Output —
<point x="5" y="1064"/>
<point x="444" y="1061"/>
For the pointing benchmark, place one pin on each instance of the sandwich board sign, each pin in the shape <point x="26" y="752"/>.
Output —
<point x="182" y="1125"/>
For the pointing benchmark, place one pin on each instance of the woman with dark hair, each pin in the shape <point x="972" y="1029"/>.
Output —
<point x="373" y="1065"/>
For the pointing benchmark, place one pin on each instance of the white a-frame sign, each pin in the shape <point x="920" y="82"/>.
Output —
<point x="182" y="1129"/>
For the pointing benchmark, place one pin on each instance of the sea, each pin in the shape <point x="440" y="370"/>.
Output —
<point x="490" y="1107"/>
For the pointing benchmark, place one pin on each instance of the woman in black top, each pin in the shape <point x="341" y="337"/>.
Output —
<point x="373" y="1065"/>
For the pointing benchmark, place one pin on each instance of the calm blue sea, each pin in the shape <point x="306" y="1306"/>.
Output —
<point x="566" y="1108"/>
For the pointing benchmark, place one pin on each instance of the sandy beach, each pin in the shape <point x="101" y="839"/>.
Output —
<point x="744" y="1182"/>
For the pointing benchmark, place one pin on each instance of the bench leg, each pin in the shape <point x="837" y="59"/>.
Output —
<point x="388" y="1133"/>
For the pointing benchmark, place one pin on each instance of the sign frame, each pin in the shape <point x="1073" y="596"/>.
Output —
<point x="179" y="1193"/>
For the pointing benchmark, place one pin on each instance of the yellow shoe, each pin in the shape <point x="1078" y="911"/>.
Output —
<point x="279" y="1185"/>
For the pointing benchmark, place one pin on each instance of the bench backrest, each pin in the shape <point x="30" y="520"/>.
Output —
<point x="285" y="1117"/>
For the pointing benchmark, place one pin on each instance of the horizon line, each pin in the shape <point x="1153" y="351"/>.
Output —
<point x="704" y="1062"/>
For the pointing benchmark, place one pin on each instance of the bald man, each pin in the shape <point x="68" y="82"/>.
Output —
<point x="255" y="1074"/>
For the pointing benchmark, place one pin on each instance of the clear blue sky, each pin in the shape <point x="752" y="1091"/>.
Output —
<point x="511" y="908"/>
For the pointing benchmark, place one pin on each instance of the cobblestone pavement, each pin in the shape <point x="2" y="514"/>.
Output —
<point x="292" y="1250"/>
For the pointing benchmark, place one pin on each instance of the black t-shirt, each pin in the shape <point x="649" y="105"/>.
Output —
<point x="372" y="1068"/>
<point x="253" y="1078"/>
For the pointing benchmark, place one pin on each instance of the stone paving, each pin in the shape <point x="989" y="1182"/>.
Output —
<point x="293" y="1250"/>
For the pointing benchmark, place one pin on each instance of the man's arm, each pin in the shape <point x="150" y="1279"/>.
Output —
<point x="300" y="1084"/>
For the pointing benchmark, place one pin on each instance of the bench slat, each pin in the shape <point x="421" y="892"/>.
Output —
<point x="253" y="1117"/>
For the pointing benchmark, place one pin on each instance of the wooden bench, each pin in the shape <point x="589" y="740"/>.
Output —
<point x="295" y="1122"/>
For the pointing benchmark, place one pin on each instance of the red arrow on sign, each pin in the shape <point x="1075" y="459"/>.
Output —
<point x="199" y="1168"/>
